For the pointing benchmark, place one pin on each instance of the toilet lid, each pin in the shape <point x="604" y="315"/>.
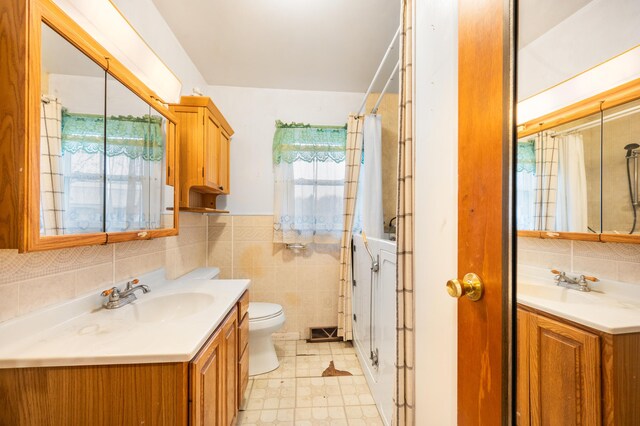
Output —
<point x="263" y="311"/>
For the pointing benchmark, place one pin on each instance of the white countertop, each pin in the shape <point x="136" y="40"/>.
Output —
<point x="168" y="324"/>
<point x="611" y="307"/>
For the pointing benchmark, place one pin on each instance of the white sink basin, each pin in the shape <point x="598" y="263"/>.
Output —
<point x="555" y="293"/>
<point x="171" y="307"/>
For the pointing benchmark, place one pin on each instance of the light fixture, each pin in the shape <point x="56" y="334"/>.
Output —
<point x="608" y="75"/>
<point x="104" y="22"/>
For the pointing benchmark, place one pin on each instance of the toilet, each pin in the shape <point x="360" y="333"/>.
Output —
<point x="264" y="320"/>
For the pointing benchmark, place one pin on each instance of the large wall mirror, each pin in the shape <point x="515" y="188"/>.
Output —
<point x="579" y="120"/>
<point x="106" y="149"/>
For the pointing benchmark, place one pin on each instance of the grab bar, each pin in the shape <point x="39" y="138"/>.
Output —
<point x="375" y="264"/>
<point x="296" y="246"/>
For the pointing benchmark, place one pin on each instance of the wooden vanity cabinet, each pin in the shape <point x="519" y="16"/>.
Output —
<point x="205" y="137"/>
<point x="243" y="346"/>
<point x="569" y="374"/>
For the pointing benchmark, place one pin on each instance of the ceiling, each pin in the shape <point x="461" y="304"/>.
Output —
<point x="325" y="45"/>
<point x="536" y="17"/>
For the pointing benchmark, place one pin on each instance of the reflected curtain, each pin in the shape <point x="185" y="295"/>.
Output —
<point x="352" y="172"/>
<point x="404" y="397"/>
<point x="526" y="185"/>
<point x="571" y="200"/>
<point x="546" y="181"/>
<point x="51" y="170"/>
<point x="134" y="153"/>
<point x="309" y="166"/>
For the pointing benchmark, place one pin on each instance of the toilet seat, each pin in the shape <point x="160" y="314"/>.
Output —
<point x="260" y="311"/>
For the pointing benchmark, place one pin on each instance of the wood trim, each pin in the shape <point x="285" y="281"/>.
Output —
<point x="529" y="234"/>
<point x="581" y="236"/>
<point x="485" y="327"/>
<point x="611" y="98"/>
<point x="523" y="414"/>
<point x="620" y="238"/>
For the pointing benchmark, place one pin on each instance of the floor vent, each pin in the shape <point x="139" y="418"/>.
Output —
<point x="324" y="334"/>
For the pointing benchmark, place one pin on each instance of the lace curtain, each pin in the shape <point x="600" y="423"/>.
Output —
<point x="526" y="185"/>
<point x="309" y="183"/>
<point x="134" y="154"/>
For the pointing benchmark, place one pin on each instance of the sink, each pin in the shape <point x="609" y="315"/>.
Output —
<point x="170" y="307"/>
<point x="555" y="293"/>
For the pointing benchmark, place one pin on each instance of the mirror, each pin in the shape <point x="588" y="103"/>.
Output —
<point x="72" y="132"/>
<point x="90" y="183"/>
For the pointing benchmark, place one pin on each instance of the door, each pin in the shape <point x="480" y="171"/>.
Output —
<point x="230" y="346"/>
<point x="211" y="150"/>
<point x="485" y="93"/>
<point x="564" y="374"/>
<point x="206" y="396"/>
<point x="223" y="162"/>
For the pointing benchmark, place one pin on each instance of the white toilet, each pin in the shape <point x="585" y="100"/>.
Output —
<point x="264" y="320"/>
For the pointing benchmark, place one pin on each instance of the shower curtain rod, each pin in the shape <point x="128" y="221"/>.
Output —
<point x="375" y="76"/>
<point x="595" y="123"/>
<point x="384" y="89"/>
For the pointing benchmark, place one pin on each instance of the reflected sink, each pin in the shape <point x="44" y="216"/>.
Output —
<point x="554" y="293"/>
<point x="171" y="307"/>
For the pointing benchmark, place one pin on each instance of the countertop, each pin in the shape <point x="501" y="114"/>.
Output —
<point x="610" y="307"/>
<point x="168" y="324"/>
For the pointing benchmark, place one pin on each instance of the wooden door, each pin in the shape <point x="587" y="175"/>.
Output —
<point x="230" y="345"/>
<point x="211" y="150"/>
<point x="223" y="162"/>
<point x="485" y="134"/>
<point x="206" y="375"/>
<point x="522" y="369"/>
<point x="564" y="374"/>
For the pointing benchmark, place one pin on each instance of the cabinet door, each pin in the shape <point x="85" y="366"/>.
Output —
<point x="211" y="150"/>
<point x="207" y="393"/>
<point x="230" y="344"/>
<point x="223" y="162"/>
<point x="564" y="374"/>
<point x="522" y="370"/>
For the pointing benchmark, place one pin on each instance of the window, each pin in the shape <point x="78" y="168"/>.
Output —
<point x="309" y="166"/>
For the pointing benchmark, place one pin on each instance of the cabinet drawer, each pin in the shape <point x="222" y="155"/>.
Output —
<point x="243" y="305"/>
<point x="243" y="339"/>
<point x="243" y="376"/>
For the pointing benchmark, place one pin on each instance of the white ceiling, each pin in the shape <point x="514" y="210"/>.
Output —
<point x="536" y="17"/>
<point x="327" y="45"/>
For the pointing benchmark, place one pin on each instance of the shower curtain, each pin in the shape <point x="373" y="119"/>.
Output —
<point x="546" y="181"/>
<point x="370" y="189"/>
<point x="404" y="399"/>
<point x="352" y="170"/>
<point x="51" y="176"/>
<point x="571" y="200"/>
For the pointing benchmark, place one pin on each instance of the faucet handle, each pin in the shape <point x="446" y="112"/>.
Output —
<point x="556" y="272"/>
<point x="113" y="293"/>
<point x="131" y="283"/>
<point x="589" y="278"/>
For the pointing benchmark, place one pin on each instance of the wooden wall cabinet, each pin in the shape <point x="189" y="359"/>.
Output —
<point x="568" y="374"/>
<point x="205" y="137"/>
<point x="206" y="391"/>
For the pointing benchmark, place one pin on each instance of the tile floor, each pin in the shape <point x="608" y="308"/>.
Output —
<point x="297" y="394"/>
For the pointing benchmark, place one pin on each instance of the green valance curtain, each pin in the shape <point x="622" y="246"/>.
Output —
<point x="131" y="136"/>
<point x="304" y="142"/>
<point x="526" y="161"/>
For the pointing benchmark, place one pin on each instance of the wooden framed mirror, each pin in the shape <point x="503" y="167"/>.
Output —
<point x="94" y="148"/>
<point x="577" y="166"/>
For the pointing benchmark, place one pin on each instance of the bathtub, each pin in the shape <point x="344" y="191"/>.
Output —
<point x="374" y="318"/>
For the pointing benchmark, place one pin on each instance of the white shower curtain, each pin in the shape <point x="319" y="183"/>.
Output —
<point x="571" y="200"/>
<point x="370" y="188"/>
<point x="51" y="176"/>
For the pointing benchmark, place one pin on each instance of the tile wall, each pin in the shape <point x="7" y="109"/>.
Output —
<point x="611" y="261"/>
<point x="34" y="280"/>
<point x="304" y="283"/>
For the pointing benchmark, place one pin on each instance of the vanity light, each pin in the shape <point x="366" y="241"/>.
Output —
<point x="612" y="73"/>
<point x="104" y="22"/>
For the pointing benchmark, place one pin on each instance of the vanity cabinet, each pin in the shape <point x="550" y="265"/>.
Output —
<point x="243" y="346"/>
<point x="569" y="374"/>
<point x="205" y="137"/>
<point x="203" y="391"/>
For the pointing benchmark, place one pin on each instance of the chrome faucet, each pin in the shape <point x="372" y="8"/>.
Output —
<point x="575" y="283"/>
<point x="118" y="299"/>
